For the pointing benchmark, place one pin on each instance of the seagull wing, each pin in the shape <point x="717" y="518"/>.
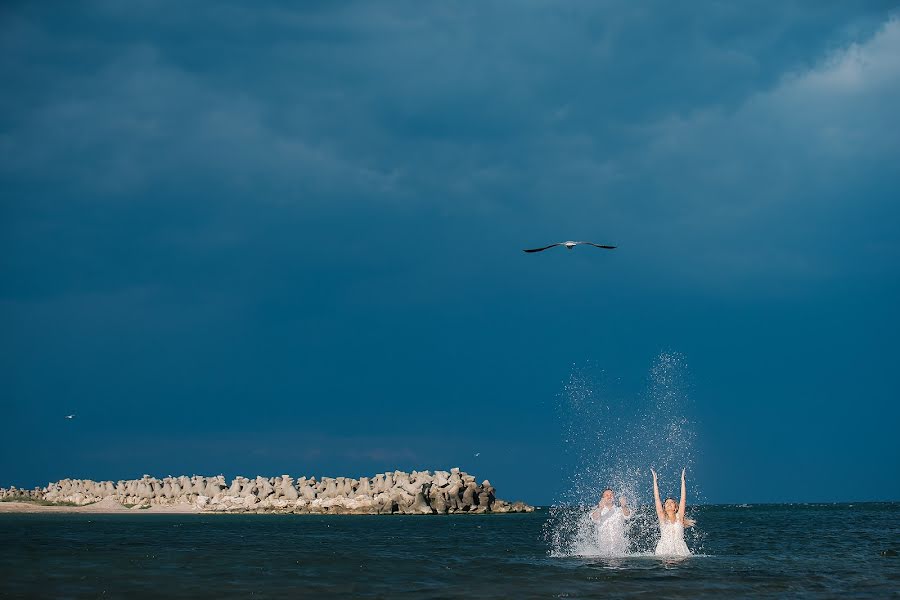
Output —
<point x="539" y="249"/>
<point x="598" y="245"/>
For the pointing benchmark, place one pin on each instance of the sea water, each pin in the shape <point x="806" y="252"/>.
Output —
<point x="753" y="551"/>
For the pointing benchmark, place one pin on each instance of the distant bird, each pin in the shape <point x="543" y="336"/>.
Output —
<point x="477" y="454"/>
<point x="70" y="416"/>
<point x="570" y="245"/>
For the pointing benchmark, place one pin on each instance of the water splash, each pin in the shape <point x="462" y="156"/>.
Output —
<point x="612" y="441"/>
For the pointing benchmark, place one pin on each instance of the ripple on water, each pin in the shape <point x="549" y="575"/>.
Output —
<point x="265" y="555"/>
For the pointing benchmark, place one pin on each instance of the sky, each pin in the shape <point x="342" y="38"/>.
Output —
<point x="266" y="238"/>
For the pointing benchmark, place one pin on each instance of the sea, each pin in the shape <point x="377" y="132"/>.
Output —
<point x="745" y="551"/>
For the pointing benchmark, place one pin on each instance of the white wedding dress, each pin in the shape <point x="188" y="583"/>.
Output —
<point x="671" y="540"/>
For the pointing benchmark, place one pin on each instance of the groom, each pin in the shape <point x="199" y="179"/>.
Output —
<point x="610" y="521"/>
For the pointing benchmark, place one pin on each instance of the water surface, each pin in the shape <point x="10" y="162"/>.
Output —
<point x="757" y="551"/>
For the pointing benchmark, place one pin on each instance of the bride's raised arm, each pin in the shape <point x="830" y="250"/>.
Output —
<point x="659" y="509"/>
<point x="683" y="502"/>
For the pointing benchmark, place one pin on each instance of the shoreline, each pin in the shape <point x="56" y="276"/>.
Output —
<point x="105" y="506"/>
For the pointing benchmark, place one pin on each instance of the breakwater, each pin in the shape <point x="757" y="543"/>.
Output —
<point x="394" y="492"/>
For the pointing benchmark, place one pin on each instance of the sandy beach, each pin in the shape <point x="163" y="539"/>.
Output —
<point x="107" y="505"/>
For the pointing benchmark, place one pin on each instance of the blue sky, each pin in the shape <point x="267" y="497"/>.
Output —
<point x="286" y="238"/>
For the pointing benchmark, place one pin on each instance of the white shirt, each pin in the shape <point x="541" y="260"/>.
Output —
<point x="610" y="529"/>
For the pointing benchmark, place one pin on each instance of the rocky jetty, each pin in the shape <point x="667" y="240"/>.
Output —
<point x="397" y="492"/>
<point x="14" y="493"/>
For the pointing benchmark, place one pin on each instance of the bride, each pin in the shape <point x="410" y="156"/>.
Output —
<point x="671" y="522"/>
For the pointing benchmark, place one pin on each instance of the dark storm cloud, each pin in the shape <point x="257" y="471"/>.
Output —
<point x="456" y="109"/>
<point x="305" y="200"/>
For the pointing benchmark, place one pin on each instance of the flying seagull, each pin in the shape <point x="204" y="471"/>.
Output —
<point x="70" y="416"/>
<point x="570" y="245"/>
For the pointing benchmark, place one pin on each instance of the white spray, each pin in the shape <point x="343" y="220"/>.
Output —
<point x="612" y="442"/>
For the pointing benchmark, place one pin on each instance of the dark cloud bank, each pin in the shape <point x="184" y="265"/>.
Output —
<point x="286" y="239"/>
